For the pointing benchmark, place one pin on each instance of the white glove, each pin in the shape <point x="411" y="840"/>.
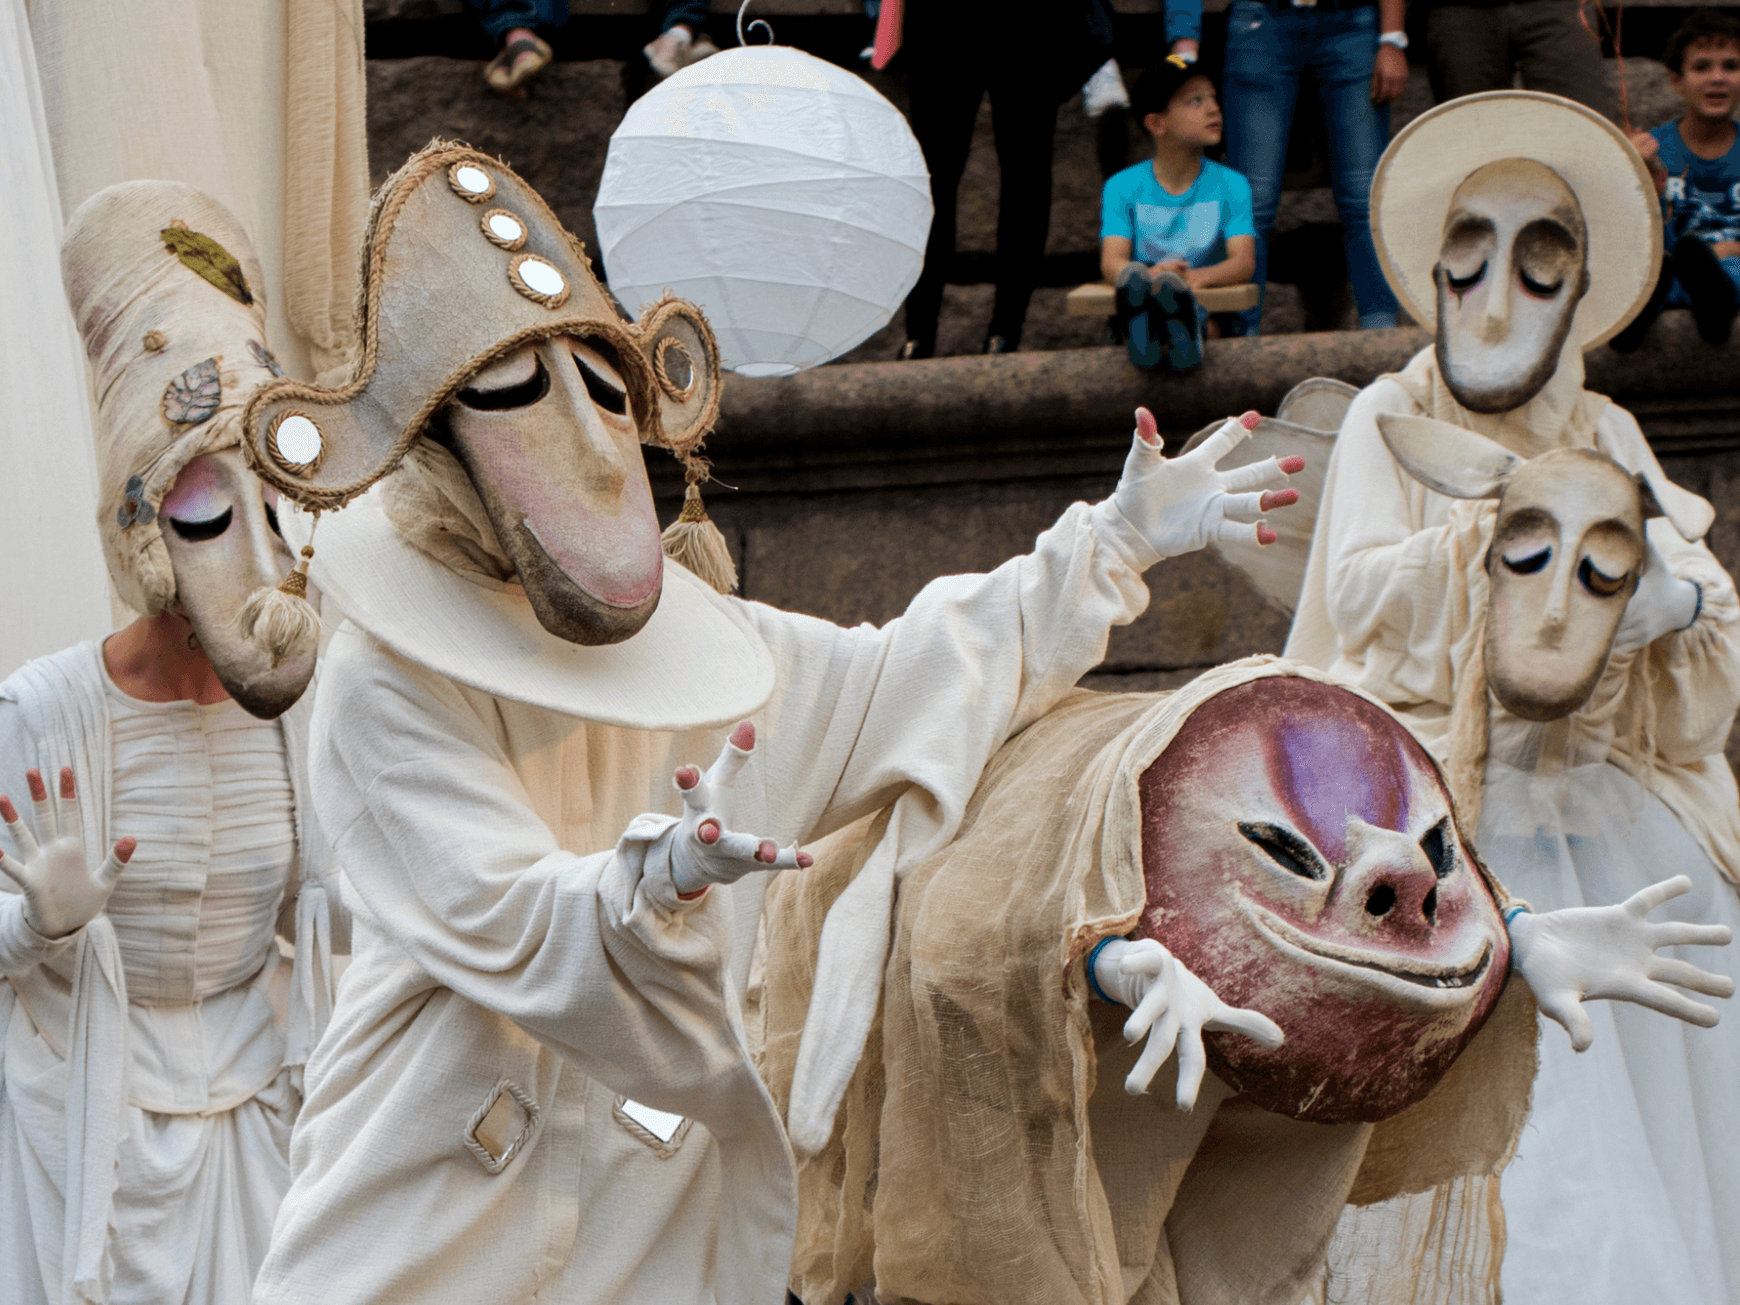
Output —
<point x="701" y="848"/>
<point x="1661" y="604"/>
<point x="1595" y="952"/>
<point x="61" y="894"/>
<point x="1180" y="504"/>
<point x="1172" y="1006"/>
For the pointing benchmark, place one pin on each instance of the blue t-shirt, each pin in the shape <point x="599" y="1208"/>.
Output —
<point x="1703" y="195"/>
<point x="1161" y="226"/>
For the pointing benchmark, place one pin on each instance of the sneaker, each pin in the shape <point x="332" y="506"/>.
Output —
<point x="1700" y="274"/>
<point x="516" y="64"/>
<point x="669" y="52"/>
<point x="1140" y="339"/>
<point x="1105" y="90"/>
<point x="1177" y="321"/>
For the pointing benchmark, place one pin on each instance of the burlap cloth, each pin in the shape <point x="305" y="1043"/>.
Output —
<point x="986" y="1152"/>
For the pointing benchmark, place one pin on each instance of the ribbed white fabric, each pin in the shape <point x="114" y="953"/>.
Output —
<point x="206" y="792"/>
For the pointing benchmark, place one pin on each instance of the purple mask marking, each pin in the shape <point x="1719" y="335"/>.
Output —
<point x="1326" y="768"/>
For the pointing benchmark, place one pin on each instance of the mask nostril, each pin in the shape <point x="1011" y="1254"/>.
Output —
<point x="1429" y="907"/>
<point x="1382" y="899"/>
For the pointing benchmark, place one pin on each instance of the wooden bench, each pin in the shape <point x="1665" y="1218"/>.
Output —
<point x="1097" y="299"/>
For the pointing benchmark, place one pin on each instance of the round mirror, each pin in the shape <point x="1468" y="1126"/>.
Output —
<point x="505" y="227"/>
<point x="541" y="277"/>
<point x="472" y="180"/>
<point x="298" y="441"/>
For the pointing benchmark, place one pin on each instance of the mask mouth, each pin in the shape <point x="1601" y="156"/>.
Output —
<point x="1406" y="980"/>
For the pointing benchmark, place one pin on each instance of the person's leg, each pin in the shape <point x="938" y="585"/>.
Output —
<point x="1707" y="286"/>
<point x="1259" y="88"/>
<point x="1630" y="339"/>
<point x="1557" y="54"/>
<point x="682" y="38"/>
<point x="1023" y="123"/>
<point x="944" y="103"/>
<point x="1468" y="50"/>
<point x="500" y="17"/>
<point x="690" y="13"/>
<point x="1344" y="52"/>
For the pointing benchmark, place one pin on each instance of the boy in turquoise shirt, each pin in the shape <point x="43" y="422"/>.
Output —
<point x="1175" y="223"/>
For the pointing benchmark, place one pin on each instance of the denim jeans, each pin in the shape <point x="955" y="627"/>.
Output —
<point x="499" y="17"/>
<point x="1267" y="51"/>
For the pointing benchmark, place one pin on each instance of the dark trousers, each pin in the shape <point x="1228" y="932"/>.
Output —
<point x="945" y="102"/>
<point x="1479" y="47"/>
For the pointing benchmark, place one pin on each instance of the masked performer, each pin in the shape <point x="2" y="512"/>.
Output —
<point x="141" y="1053"/>
<point x="536" y="1082"/>
<point x="1577" y="671"/>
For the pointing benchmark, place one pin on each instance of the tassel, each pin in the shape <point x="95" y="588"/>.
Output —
<point x="694" y="541"/>
<point x="280" y="622"/>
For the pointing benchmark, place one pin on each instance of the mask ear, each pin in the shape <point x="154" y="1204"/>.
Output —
<point x="1690" y="515"/>
<point x="679" y="346"/>
<point x="1449" y="459"/>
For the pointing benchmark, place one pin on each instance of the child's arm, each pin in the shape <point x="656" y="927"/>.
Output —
<point x="1116" y="253"/>
<point x="1239" y="265"/>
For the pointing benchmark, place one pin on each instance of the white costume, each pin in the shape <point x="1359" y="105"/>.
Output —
<point x="500" y="939"/>
<point x="158" y="1017"/>
<point x="1626" y="1182"/>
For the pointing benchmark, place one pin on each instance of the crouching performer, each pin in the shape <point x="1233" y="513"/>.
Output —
<point x="147" y="1087"/>
<point x="536" y="1084"/>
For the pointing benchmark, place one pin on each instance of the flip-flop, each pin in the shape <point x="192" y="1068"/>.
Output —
<point x="507" y="72"/>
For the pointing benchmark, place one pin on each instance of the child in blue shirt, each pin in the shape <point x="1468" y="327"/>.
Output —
<point x="1176" y="223"/>
<point x="1696" y="165"/>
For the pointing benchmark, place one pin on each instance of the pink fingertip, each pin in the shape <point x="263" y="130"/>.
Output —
<point x="743" y="737"/>
<point x="687" y="777"/>
<point x="1265" y="535"/>
<point x="766" y="853"/>
<point x="1278" y="498"/>
<point x="1292" y="464"/>
<point x="125" y="848"/>
<point x="38" y="790"/>
<point x="8" y="812"/>
<point x="805" y="860"/>
<point x="67" y="788"/>
<point x="1147" y="429"/>
<point x="1250" y="419"/>
<point x="708" y="831"/>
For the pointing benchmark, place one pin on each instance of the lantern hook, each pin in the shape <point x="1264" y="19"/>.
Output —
<point x="754" y="23"/>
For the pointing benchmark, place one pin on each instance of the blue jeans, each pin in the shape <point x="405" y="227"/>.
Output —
<point x="1267" y="51"/>
<point x="499" y="17"/>
<point x="1678" y="298"/>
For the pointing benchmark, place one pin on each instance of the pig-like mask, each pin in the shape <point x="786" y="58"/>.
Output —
<point x="1510" y="273"/>
<point x="1302" y="859"/>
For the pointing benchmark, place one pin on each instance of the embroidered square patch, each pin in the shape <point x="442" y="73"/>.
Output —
<point x="502" y="1127"/>
<point x="661" y="1131"/>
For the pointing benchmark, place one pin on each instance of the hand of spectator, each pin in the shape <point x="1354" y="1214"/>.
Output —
<point x="1389" y="74"/>
<point x="1725" y="248"/>
<point x="1177" y="265"/>
<point x="1186" y="48"/>
<point x="1647" y="146"/>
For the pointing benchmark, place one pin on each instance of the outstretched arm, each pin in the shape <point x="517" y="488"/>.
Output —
<point x="1592" y="953"/>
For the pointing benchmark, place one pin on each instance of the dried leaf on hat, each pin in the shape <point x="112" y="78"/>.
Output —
<point x="194" y="395"/>
<point x="263" y="356"/>
<point x="203" y="255"/>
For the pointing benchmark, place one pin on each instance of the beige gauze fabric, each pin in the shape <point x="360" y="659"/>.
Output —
<point x="987" y="1153"/>
<point x="258" y="103"/>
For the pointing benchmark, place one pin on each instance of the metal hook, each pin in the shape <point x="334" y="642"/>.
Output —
<point x="758" y="22"/>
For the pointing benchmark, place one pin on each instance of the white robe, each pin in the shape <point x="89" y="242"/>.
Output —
<point x="500" y="940"/>
<point x="1626" y="1184"/>
<point x="143" y="1136"/>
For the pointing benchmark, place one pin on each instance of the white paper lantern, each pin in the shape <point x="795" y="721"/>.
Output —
<point x="783" y="195"/>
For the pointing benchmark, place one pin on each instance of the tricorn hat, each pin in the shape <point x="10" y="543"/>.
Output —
<point x="463" y="263"/>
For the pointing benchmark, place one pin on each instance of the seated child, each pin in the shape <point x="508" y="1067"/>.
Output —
<point x="1176" y="223"/>
<point x="1696" y="164"/>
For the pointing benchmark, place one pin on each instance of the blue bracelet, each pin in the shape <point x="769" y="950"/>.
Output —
<point x="1093" y="982"/>
<point x="1511" y="913"/>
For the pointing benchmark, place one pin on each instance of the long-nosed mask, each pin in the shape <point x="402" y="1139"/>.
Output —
<point x="167" y="295"/>
<point x="485" y="331"/>
<point x="1511" y="270"/>
<point x="1568" y="547"/>
<point x="1303" y="860"/>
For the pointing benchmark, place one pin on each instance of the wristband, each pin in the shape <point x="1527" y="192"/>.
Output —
<point x="1094" y="983"/>
<point x="1511" y="913"/>
<point x="1397" y="39"/>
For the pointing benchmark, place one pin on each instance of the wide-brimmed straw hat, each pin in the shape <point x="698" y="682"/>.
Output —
<point x="1435" y="153"/>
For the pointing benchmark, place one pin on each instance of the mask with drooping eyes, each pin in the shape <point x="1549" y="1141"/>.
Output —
<point x="1510" y="273"/>
<point x="548" y="440"/>
<point x="1302" y="860"/>
<point x="220" y="529"/>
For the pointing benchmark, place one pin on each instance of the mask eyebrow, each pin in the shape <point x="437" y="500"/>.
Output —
<point x="1463" y="226"/>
